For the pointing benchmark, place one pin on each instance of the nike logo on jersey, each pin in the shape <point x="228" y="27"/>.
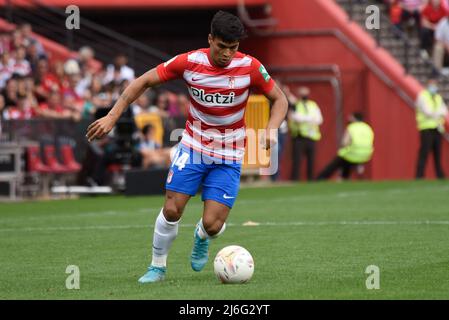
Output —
<point x="227" y="197"/>
<point x="196" y="79"/>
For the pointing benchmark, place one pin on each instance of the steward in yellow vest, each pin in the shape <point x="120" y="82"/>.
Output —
<point x="304" y="124"/>
<point x="430" y="116"/>
<point x="357" y="148"/>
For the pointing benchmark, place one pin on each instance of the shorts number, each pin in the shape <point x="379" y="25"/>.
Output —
<point x="180" y="160"/>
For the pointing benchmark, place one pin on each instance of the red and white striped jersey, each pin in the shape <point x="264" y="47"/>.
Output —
<point x="218" y="97"/>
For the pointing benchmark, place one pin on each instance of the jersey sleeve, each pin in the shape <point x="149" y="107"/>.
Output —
<point x="260" y="79"/>
<point x="173" y="68"/>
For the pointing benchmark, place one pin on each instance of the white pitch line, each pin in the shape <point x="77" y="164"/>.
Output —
<point x="256" y="224"/>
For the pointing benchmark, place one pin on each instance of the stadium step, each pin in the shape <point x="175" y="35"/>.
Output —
<point x="408" y="54"/>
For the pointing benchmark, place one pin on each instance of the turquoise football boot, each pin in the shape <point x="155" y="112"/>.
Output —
<point x="200" y="252"/>
<point x="154" y="274"/>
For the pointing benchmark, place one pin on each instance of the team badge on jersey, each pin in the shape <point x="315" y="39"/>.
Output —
<point x="231" y="82"/>
<point x="170" y="176"/>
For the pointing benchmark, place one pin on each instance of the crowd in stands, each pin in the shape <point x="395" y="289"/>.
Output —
<point x="428" y="19"/>
<point x="33" y="85"/>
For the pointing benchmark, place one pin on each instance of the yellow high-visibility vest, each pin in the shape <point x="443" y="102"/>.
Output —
<point x="307" y="130"/>
<point x="436" y="103"/>
<point x="361" y="148"/>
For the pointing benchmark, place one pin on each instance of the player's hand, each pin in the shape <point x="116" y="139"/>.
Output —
<point x="269" y="139"/>
<point x="100" y="128"/>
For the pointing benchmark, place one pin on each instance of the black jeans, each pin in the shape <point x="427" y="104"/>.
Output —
<point x="430" y="142"/>
<point x="302" y="146"/>
<point x="427" y="36"/>
<point x="333" y="166"/>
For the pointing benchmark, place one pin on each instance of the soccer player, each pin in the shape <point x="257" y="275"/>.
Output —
<point x="212" y="146"/>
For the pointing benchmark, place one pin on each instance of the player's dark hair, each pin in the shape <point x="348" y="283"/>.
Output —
<point x="358" y="116"/>
<point x="227" y="27"/>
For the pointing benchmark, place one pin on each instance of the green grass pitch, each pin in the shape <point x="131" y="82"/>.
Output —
<point x="313" y="241"/>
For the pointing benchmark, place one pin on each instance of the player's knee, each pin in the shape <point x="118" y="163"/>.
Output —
<point x="172" y="212"/>
<point x="213" y="228"/>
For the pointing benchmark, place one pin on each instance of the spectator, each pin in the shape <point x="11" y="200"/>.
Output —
<point x="5" y="42"/>
<point x="141" y="105"/>
<point x="85" y="59"/>
<point x="356" y="148"/>
<point x="441" y="46"/>
<point x="71" y="67"/>
<point x="88" y="109"/>
<point x="10" y="92"/>
<point x="29" y="39"/>
<point x="396" y="13"/>
<point x="16" y="39"/>
<point x="46" y="81"/>
<point x="103" y="100"/>
<point x="21" y="65"/>
<point x="70" y="102"/>
<point x="6" y="68"/>
<point x="411" y="13"/>
<point x="53" y="108"/>
<point x="304" y="122"/>
<point x="23" y="111"/>
<point x="33" y="56"/>
<point x="21" y="86"/>
<point x="173" y="107"/>
<point x="118" y="71"/>
<point x="432" y="13"/>
<point x="162" y="104"/>
<point x="430" y="115"/>
<point x="183" y="104"/>
<point x="58" y="68"/>
<point x="151" y="152"/>
<point x="2" y="107"/>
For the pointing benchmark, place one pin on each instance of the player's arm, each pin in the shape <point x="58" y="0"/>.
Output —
<point x="278" y="113"/>
<point x="102" y="126"/>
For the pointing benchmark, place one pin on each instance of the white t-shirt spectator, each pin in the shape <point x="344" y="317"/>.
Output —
<point x="126" y="73"/>
<point x="6" y="72"/>
<point x="22" y="67"/>
<point x="442" y="31"/>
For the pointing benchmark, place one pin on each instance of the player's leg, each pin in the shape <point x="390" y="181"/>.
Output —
<point x="210" y="226"/>
<point x="165" y="232"/>
<point x="220" y="189"/>
<point x="166" y="226"/>
<point x="183" y="181"/>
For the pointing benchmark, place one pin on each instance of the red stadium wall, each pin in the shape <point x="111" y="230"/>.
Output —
<point x="393" y="120"/>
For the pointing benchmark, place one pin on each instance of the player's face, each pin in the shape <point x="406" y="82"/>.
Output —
<point x="222" y="52"/>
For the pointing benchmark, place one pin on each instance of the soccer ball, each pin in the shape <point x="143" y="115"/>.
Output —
<point x="233" y="264"/>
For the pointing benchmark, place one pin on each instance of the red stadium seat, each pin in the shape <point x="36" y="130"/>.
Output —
<point x="52" y="161"/>
<point x="68" y="159"/>
<point x="35" y="163"/>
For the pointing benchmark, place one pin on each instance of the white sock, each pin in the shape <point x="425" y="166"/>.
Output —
<point x="204" y="235"/>
<point x="164" y="234"/>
